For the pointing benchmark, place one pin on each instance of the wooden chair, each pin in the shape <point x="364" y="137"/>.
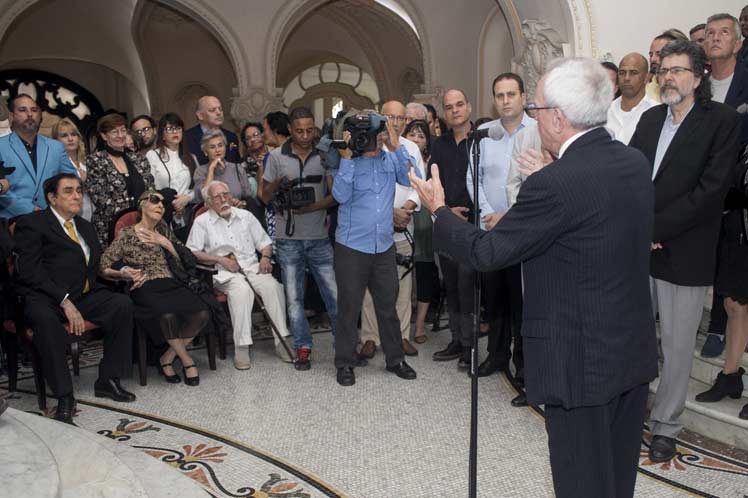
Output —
<point x="125" y="218"/>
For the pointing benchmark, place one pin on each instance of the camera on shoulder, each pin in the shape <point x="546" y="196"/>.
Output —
<point x="364" y="126"/>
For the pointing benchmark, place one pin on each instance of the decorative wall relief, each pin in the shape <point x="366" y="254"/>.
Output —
<point x="542" y="44"/>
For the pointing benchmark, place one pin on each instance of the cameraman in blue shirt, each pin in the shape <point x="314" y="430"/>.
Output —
<point x="364" y="248"/>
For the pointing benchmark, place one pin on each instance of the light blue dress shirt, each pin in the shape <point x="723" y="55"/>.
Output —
<point x="669" y="129"/>
<point x="365" y="189"/>
<point x="495" y="159"/>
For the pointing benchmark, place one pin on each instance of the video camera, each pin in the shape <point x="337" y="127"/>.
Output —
<point x="364" y="126"/>
<point x="290" y="195"/>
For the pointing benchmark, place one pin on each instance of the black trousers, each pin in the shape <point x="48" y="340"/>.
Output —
<point x="354" y="272"/>
<point x="595" y="449"/>
<point x="109" y="310"/>
<point x="459" y="282"/>
<point x="502" y="290"/>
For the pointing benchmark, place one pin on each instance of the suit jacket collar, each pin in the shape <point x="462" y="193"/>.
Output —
<point x="739" y="80"/>
<point x="687" y="128"/>
<point x="42" y="154"/>
<point x="54" y="225"/>
<point x="599" y="134"/>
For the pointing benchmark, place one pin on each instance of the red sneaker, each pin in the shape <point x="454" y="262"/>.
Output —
<point x="302" y="359"/>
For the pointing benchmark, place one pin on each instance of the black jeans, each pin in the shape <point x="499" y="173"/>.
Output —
<point x="459" y="282"/>
<point x="354" y="272"/>
<point x="502" y="290"/>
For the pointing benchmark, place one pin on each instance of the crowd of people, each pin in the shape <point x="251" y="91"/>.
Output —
<point x="207" y="196"/>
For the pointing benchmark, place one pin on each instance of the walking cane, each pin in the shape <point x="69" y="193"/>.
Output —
<point x="264" y="310"/>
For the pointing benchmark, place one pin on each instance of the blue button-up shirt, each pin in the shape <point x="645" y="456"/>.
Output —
<point x="669" y="129"/>
<point x="365" y="189"/>
<point x="495" y="159"/>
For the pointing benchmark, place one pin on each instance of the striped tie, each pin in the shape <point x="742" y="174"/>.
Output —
<point x="71" y="231"/>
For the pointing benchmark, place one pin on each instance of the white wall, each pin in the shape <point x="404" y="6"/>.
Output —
<point x="624" y="27"/>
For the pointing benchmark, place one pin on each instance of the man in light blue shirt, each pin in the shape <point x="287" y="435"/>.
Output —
<point x="364" y="248"/>
<point x="502" y="288"/>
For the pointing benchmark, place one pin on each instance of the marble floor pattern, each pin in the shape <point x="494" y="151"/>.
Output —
<point x="385" y="437"/>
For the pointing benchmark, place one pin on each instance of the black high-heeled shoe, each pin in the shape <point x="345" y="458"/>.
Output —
<point x="171" y="379"/>
<point x="190" y="381"/>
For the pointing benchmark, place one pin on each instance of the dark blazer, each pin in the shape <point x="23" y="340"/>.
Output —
<point x="192" y="138"/>
<point x="737" y="95"/>
<point x="51" y="264"/>
<point x="582" y="229"/>
<point x="690" y="188"/>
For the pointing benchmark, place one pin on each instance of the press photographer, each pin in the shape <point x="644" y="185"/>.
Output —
<point x="295" y="178"/>
<point x="364" y="248"/>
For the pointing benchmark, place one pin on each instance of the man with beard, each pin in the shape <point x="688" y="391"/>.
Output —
<point x="692" y="144"/>
<point x="625" y="111"/>
<point x="35" y="157"/>
<point x="209" y="113"/>
<point x="143" y="128"/>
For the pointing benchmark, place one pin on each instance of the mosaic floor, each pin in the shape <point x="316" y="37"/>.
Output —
<point x="277" y="433"/>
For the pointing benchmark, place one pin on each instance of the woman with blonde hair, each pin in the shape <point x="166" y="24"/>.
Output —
<point x="67" y="133"/>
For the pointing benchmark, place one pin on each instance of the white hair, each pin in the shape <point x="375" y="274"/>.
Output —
<point x="581" y="89"/>
<point x="205" y="191"/>
<point x="210" y="135"/>
<point x="419" y="108"/>
<point x="726" y="17"/>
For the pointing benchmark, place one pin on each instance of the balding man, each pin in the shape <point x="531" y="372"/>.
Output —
<point x="451" y="153"/>
<point x="209" y="114"/>
<point x="625" y="111"/>
<point x="406" y="202"/>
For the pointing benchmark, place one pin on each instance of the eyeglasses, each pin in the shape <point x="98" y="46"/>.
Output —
<point x="392" y="117"/>
<point x="532" y="106"/>
<point x="144" y="130"/>
<point x="155" y="199"/>
<point x="256" y="134"/>
<point x="173" y="129"/>
<point x="675" y="71"/>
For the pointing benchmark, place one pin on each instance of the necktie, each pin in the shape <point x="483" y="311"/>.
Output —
<point x="71" y="232"/>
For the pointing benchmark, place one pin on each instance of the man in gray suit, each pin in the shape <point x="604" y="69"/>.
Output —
<point x="582" y="227"/>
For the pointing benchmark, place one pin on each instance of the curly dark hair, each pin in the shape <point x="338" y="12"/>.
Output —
<point x="422" y="125"/>
<point x="698" y="60"/>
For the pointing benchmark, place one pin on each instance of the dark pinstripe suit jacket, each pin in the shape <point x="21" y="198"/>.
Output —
<point x="582" y="227"/>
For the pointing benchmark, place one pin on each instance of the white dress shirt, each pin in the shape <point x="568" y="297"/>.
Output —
<point x="81" y="240"/>
<point x="622" y="124"/>
<point x="565" y="146"/>
<point x="241" y="234"/>
<point x="170" y="172"/>
<point x="403" y="193"/>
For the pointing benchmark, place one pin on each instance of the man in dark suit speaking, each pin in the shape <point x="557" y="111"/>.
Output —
<point x="58" y="260"/>
<point x="582" y="228"/>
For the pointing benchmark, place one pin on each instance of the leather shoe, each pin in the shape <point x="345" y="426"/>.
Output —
<point x="662" y="449"/>
<point x="65" y="409"/>
<point x="451" y="352"/>
<point x="464" y="363"/>
<point x="346" y="377"/>
<point x="520" y="400"/>
<point x="744" y="412"/>
<point x="725" y="385"/>
<point x="489" y="366"/>
<point x="112" y="389"/>
<point x="359" y="361"/>
<point x="713" y="346"/>
<point x="409" y="349"/>
<point x="403" y="371"/>
<point x="368" y="349"/>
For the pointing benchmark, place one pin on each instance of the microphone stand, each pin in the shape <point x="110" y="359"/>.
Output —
<point x="473" y="459"/>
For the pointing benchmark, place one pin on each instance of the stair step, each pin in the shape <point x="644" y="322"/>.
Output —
<point x="717" y="421"/>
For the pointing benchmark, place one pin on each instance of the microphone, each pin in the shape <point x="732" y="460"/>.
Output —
<point x="495" y="132"/>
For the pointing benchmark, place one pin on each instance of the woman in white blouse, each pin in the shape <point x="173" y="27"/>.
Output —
<point x="172" y="167"/>
<point x="66" y="132"/>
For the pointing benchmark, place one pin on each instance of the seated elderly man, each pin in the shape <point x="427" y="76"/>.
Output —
<point x="228" y="237"/>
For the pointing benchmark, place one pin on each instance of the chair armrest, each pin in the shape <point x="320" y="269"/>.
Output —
<point x="209" y="269"/>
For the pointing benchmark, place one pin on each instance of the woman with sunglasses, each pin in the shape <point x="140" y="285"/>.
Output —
<point x="153" y="260"/>
<point x="66" y="132"/>
<point x="116" y="175"/>
<point x="172" y="167"/>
